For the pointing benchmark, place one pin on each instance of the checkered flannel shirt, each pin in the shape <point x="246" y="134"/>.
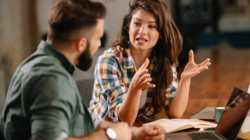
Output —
<point x="114" y="71"/>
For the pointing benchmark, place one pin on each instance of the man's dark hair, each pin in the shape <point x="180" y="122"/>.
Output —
<point x="70" y="20"/>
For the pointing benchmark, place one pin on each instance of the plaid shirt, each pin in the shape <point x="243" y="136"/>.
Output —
<point x="114" y="71"/>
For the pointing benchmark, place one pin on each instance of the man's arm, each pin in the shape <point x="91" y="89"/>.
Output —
<point x="52" y="107"/>
<point x="101" y="134"/>
<point x="151" y="132"/>
<point x="122" y="130"/>
<point x="104" y="125"/>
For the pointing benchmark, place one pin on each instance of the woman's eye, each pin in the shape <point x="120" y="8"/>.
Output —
<point x="136" y="23"/>
<point x="150" y="26"/>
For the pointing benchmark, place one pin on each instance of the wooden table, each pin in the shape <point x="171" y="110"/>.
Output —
<point x="230" y="67"/>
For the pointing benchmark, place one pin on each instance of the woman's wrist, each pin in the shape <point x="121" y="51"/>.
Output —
<point x="185" y="80"/>
<point x="134" y="90"/>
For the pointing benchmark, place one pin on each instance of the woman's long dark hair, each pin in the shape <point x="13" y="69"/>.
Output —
<point x="166" y="49"/>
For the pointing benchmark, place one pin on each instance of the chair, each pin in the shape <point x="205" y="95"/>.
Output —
<point x="1" y="136"/>
<point x="85" y="87"/>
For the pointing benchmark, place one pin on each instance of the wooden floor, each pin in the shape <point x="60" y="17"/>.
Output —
<point x="230" y="67"/>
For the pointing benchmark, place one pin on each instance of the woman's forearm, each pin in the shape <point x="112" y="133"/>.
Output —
<point x="180" y="100"/>
<point x="129" y="108"/>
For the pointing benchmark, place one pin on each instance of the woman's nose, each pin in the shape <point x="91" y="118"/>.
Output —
<point x="143" y="30"/>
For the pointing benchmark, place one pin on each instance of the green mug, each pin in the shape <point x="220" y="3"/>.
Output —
<point x="218" y="113"/>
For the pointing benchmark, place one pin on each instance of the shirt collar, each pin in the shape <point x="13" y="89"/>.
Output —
<point x="128" y="62"/>
<point x="52" y="51"/>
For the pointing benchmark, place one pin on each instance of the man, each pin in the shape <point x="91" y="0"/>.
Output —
<point x="43" y="101"/>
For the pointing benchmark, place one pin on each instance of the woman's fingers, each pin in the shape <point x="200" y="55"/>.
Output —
<point x="143" y="79"/>
<point x="200" y="69"/>
<point x="204" y="65"/>
<point x="144" y="65"/>
<point x="141" y="73"/>
<point x="206" y="62"/>
<point x="193" y="69"/>
<point x="144" y="76"/>
<point x="191" y="56"/>
<point x="199" y="66"/>
<point x="144" y="82"/>
<point x="149" y="85"/>
<point x="192" y="74"/>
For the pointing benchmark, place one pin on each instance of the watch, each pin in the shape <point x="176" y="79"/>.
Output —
<point x="111" y="133"/>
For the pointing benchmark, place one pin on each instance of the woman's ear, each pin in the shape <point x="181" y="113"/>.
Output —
<point x="128" y="30"/>
<point x="82" y="44"/>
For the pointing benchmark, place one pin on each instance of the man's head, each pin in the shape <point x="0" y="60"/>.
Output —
<point x="77" y="23"/>
<point x="86" y="58"/>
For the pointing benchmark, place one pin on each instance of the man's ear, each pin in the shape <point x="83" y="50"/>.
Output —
<point x="82" y="44"/>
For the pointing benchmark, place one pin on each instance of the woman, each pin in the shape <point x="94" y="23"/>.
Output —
<point x="136" y="77"/>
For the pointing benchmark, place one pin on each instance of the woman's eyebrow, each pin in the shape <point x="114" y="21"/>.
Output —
<point x="137" y="18"/>
<point x="152" y="22"/>
<point x="148" y="21"/>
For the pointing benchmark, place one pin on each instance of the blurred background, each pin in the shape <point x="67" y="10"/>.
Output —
<point x="203" y="23"/>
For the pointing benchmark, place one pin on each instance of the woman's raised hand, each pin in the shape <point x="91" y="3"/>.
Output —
<point x="142" y="78"/>
<point x="192" y="69"/>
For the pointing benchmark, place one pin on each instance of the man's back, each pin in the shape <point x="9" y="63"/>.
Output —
<point x="43" y="99"/>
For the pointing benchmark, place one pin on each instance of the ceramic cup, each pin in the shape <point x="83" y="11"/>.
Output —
<point x="218" y="113"/>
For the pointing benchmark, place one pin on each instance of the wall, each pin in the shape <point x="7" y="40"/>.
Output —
<point x="18" y="38"/>
<point x="42" y="11"/>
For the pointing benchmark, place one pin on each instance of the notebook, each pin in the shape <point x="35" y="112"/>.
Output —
<point x="174" y="125"/>
<point x="228" y="126"/>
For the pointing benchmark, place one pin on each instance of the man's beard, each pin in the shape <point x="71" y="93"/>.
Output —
<point x="85" y="59"/>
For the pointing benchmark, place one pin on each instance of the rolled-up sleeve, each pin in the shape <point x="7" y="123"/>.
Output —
<point x="96" y="120"/>
<point x="51" y="108"/>
<point x="109" y="89"/>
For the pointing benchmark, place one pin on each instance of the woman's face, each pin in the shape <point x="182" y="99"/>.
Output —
<point x="143" y="33"/>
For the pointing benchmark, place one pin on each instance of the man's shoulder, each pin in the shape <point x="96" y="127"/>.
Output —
<point x="48" y="78"/>
<point x="43" y="68"/>
<point x="42" y="64"/>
